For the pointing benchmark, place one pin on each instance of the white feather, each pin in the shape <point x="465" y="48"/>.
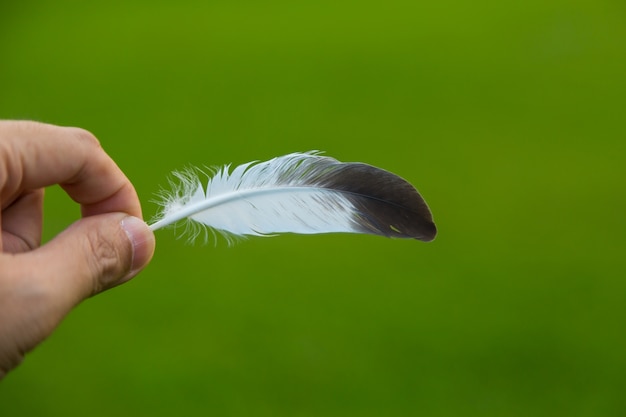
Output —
<point x="294" y="193"/>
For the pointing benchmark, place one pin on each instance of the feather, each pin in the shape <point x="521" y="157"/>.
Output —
<point x="302" y="193"/>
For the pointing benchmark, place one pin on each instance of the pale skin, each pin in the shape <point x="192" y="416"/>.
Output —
<point x="108" y="246"/>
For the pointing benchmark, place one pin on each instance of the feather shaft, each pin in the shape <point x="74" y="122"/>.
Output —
<point x="190" y="210"/>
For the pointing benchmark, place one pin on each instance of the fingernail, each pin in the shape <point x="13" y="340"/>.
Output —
<point x="142" y="239"/>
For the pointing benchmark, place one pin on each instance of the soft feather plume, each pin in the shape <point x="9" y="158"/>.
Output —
<point x="298" y="193"/>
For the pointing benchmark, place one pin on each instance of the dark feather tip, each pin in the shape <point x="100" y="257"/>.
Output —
<point x="387" y="204"/>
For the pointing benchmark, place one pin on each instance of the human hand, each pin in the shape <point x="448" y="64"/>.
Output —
<point x="109" y="245"/>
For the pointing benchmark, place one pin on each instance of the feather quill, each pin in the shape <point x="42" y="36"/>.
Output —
<point x="304" y="193"/>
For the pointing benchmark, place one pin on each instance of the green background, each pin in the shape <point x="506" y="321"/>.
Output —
<point x="509" y="117"/>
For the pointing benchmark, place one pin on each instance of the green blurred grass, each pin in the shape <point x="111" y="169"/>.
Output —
<point x="509" y="118"/>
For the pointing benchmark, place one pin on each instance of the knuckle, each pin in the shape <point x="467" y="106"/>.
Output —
<point x="86" y="137"/>
<point x="107" y="262"/>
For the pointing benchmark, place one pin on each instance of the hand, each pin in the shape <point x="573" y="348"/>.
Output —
<point x="106" y="247"/>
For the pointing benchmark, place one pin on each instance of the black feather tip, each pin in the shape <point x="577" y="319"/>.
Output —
<point x="387" y="204"/>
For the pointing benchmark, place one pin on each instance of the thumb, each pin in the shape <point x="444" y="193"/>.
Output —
<point x="95" y="254"/>
<point x="40" y="287"/>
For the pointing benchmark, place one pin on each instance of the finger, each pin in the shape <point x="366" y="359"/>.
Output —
<point x="40" y="287"/>
<point x="92" y="255"/>
<point x="21" y="223"/>
<point x="36" y="155"/>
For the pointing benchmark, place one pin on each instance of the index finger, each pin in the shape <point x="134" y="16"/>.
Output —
<point x="36" y="155"/>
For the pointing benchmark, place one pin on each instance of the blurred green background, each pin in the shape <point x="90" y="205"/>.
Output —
<point x="509" y="117"/>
